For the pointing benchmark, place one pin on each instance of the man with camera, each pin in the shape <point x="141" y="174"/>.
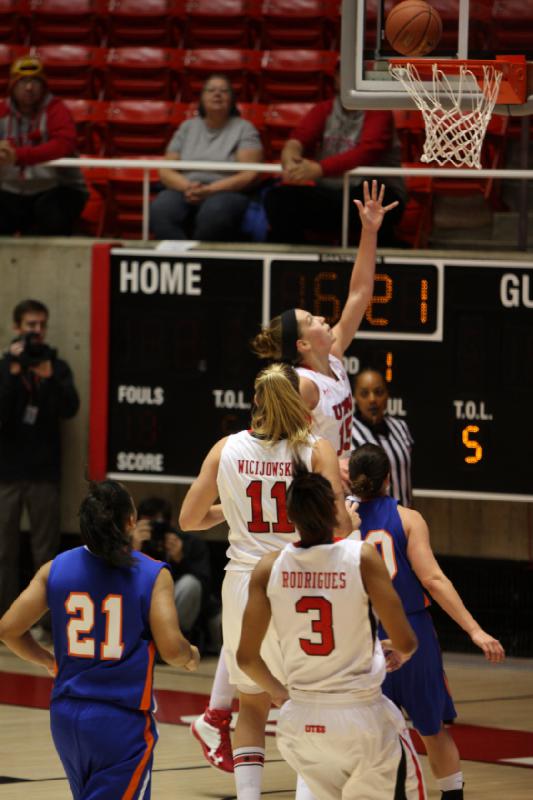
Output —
<point x="36" y="392"/>
<point x="188" y="557"/>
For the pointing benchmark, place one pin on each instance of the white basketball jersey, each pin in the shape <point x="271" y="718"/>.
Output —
<point x="253" y="478"/>
<point x="321" y="613"/>
<point x="332" y="416"/>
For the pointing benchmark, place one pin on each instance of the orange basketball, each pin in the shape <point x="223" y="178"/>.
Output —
<point x="413" y="28"/>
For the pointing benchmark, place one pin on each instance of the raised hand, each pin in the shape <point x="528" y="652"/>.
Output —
<point x="373" y="210"/>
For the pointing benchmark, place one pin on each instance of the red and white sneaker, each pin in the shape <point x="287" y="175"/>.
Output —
<point x="212" y="731"/>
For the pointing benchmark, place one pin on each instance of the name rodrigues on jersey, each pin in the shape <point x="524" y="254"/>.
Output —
<point x="160" y="277"/>
<point x="313" y="580"/>
<point x="259" y="469"/>
<point x="141" y="395"/>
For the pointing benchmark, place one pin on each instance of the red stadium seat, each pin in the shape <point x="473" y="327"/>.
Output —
<point x="147" y="72"/>
<point x="63" y="21"/>
<point x="414" y="227"/>
<point x="90" y="117"/>
<point x="140" y="22"/>
<point x="73" y="70"/>
<point x="254" y="113"/>
<point x="241" y="67"/>
<point x="8" y="54"/>
<point x="14" y="21"/>
<point x="512" y="27"/>
<point x="280" y="119"/>
<point x="298" y="23"/>
<point x="124" y="204"/>
<point x="138" y="127"/>
<point x="296" y="75"/>
<point x="220" y="23"/>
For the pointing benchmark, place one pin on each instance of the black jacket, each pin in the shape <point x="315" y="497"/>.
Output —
<point x="33" y="451"/>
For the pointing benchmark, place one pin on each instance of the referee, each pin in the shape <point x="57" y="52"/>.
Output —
<point x="371" y="424"/>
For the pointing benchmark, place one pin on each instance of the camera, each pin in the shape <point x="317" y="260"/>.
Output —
<point x="35" y="351"/>
<point x="155" y="545"/>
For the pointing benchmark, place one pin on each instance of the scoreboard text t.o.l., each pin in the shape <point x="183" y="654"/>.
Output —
<point x="173" y="372"/>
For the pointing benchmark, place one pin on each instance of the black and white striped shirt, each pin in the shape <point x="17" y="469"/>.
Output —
<point x="395" y="438"/>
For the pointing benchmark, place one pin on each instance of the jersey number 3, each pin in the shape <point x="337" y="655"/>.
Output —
<point x="323" y="625"/>
<point x="80" y="607"/>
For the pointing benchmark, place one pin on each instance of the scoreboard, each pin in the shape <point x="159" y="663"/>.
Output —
<point x="172" y="370"/>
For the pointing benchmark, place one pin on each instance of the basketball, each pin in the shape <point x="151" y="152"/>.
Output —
<point x="413" y="28"/>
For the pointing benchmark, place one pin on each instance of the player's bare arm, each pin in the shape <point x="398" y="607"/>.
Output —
<point x="440" y="587"/>
<point x="199" y="510"/>
<point x="171" y="644"/>
<point x="28" y="609"/>
<point x="255" y="623"/>
<point x="362" y="278"/>
<point x="325" y="462"/>
<point x="386" y="602"/>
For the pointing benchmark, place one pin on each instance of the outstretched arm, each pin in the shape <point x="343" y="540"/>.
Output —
<point x="27" y="609"/>
<point x="440" y="587"/>
<point x="198" y="510"/>
<point x="325" y="462"/>
<point x="362" y="279"/>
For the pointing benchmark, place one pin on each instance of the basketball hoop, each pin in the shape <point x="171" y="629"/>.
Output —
<point x="456" y="109"/>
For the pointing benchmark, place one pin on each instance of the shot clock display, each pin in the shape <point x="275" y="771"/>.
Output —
<point x="454" y="340"/>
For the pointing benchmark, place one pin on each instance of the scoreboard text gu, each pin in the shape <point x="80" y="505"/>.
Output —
<point x="453" y="339"/>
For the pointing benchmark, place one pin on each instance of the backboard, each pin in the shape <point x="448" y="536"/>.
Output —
<point x="472" y="29"/>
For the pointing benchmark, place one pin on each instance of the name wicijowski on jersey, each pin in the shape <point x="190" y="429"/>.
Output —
<point x="281" y="469"/>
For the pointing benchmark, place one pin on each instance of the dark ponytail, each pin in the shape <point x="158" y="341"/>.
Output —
<point x="103" y="517"/>
<point x="311" y="505"/>
<point x="369" y="466"/>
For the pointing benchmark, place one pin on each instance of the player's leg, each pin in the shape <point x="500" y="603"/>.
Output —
<point x="445" y="764"/>
<point x="249" y="744"/>
<point x="312" y="755"/>
<point x="420" y="688"/>
<point x="114" y="748"/>
<point x="387" y="765"/>
<point x="212" y="727"/>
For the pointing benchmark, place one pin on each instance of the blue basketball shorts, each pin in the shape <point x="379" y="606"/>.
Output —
<point x="420" y="686"/>
<point x="106" y="750"/>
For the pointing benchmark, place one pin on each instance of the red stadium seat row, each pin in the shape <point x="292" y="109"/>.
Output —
<point x="170" y="74"/>
<point x="182" y="23"/>
<point x="143" y="127"/>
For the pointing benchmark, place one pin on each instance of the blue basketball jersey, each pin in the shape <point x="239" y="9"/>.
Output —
<point x="381" y="526"/>
<point x="100" y="624"/>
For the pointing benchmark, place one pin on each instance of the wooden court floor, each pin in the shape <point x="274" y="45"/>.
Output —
<point x="496" y="701"/>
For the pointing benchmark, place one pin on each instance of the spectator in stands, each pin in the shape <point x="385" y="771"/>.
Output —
<point x="36" y="127"/>
<point x="188" y="556"/>
<point x="329" y="141"/>
<point x="36" y="392"/>
<point x="208" y="205"/>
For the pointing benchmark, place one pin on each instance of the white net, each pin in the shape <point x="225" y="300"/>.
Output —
<point x="456" y="111"/>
